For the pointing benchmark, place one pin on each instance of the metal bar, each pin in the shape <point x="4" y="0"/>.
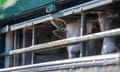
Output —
<point x="108" y="59"/>
<point x="7" y="49"/>
<point x="64" y="42"/>
<point x="15" y="45"/>
<point x="33" y="42"/>
<point x="33" y="35"/>
<point x="82" y="32"/>
<point x="23" y="55"/>
<point x="75" y="9"/>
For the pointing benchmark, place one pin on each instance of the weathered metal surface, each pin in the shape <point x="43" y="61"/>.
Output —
<point x="100" y="63"/>
<point x="110" y="68"/>
<point x="64" y="42"/>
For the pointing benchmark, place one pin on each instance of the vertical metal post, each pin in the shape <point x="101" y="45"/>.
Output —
<point x="7" y="49"/>
<point x="33" y="42"/>
<point x="23" y="55"/>
<point x="14" y="56"/>
<point x="82" y="32"/>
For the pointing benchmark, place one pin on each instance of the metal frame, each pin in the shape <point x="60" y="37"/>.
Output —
<point x="100" y="60"/>
<point x="75" y="9"/>
<point x="64" y="42"/>
<point x="65" y="12"/>
<point x="86" y="61"/>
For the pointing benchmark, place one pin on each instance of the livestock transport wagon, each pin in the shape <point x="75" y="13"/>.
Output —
<point x="30" y="43"/>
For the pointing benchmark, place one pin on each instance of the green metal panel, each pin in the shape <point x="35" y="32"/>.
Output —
<point x="2" y="46"/>
<point x="10" y="8"/>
